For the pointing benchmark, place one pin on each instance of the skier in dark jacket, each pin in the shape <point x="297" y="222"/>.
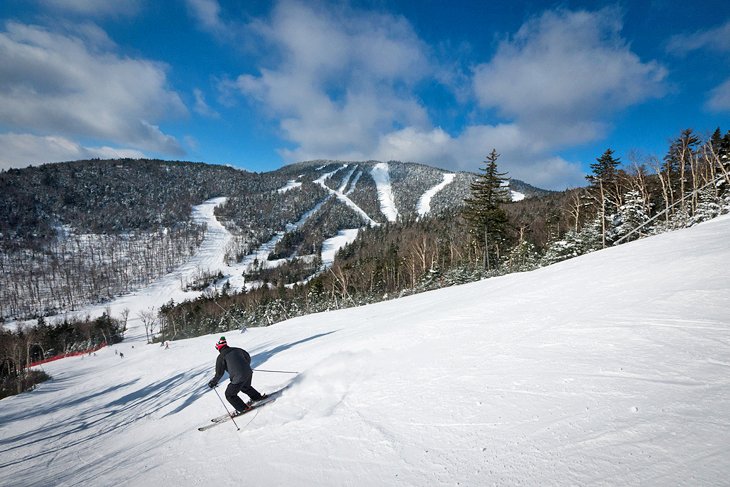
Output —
<point x="237" y="362"/>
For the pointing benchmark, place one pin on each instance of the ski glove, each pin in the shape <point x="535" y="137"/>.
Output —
<point x="212" y="384"/>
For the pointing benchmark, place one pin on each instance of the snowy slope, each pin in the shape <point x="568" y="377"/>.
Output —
<point x="332" y="245"/>
<point x="289" y="186"/>
<point x="424" y="203"/>
<point x="209" y="258"/>
<point x="609" y="369"/>
<point x="381" y="176"/>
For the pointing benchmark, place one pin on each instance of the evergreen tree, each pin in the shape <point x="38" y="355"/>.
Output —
<point x="573" y="244"/>
<point x="522" y="257"/>
<point x="710" y="206"/>
<point x="561" y="249"/>
<point x="605" y="168"/>
<point x="724" y="151"/>
<point x="604" y="187"/>
<point x="631" y="215"/>
<point x="716" y="140"/>
<point x="486" y="219"/>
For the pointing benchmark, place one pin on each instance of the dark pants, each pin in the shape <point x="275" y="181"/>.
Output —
<point x="233" y="389"/>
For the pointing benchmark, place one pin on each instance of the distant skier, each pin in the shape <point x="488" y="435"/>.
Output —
<point x="237" y="362"/>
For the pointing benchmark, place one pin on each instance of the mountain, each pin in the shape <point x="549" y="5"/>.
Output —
<point x="606" y="369"/>
<point x="115" y="196"/>
<point x="84" y="232"/>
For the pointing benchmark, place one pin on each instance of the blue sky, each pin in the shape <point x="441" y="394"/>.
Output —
<point x="260" y="84"/>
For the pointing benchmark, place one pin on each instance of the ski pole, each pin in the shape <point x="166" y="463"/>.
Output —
<point x="276" y="371"/>
<point x="226" y="408"/>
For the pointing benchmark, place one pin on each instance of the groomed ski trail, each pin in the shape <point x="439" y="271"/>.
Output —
<point x="424" y="203"/>
<point x="381" y="176"/>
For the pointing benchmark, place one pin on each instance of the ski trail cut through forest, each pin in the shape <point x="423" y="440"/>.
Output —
<point x="424" y="204"/>
<point x="381" y="176"/>
<point x="321" y="181"/>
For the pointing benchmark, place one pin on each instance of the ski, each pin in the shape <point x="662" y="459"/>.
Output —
<point x="227" y="417"/>
<point x="221" y="418"/>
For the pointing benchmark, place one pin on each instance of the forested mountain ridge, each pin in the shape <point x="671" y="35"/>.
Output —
<point x="111" y="196"/>
<point x="85" y="231"/>
<point x="126" y="195"/>
<point x="409" y="181"/>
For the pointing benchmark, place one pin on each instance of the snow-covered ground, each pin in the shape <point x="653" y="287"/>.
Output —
<point x="608" y="369"/>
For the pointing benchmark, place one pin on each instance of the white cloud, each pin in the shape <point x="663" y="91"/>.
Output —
<point x="564" y="70"/>
<point x="466" y="152"/>
<point x="409" y="144"/>
<point x="208" y="15"/>
<point x="93" y="7"/>
<point x="719" y="100"/>
<point x="201" y="106"/>
<point x="191" y="142"/>
<point x="717" y="39"/>
<point x="339" y="80"/>
<point x="66" y="86"/>
<point x="342" y="84"/>
<point x="20" y="150"/>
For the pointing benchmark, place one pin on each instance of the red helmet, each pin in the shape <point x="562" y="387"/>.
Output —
<point x="221" y="343"/>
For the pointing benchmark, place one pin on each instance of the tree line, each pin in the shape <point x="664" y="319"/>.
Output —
<point x="81" y="269"/>
<point x="624" y="202"/>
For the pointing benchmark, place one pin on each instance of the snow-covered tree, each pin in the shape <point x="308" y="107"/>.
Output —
<point x="633" y="214"/>
<point x="522" y="257"/>
<point x="604" y="188"/>
<point x="710" y="205"/>
<point x="573" y="244"/>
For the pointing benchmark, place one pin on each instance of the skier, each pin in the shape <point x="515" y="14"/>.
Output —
<point x="237" y="362"/>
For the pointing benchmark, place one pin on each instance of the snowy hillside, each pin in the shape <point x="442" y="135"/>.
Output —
<point x="97" y="234"/>
<point x="608" y="369"/>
